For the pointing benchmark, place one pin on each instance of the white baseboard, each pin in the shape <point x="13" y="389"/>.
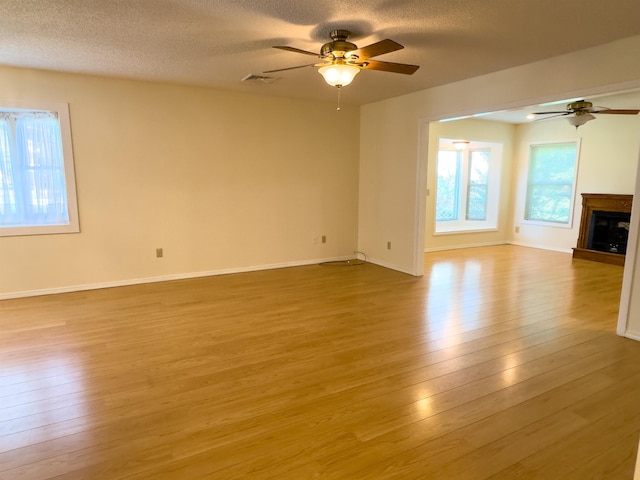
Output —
<point x="506" y="242"/>
<point x="632" y="336"/>
<point x="391" y="266"/>
<point x="468" y="245"/>
<point x="252" y="268"/>
<point x="542" y="247"/>
<point x="164" y="278"/>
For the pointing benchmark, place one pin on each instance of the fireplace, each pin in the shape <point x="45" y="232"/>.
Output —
<point x="608" y="231"/>
<point x="604" y="227"/>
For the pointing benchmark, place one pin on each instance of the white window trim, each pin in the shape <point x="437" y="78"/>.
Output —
<point x="62" y="109"/>
<point x="450" y="227"/>
<point x="466" y="229"/>
<point x="542" y="223"/>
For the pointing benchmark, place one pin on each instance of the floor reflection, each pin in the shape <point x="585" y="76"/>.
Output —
<point x="39" y="397"/>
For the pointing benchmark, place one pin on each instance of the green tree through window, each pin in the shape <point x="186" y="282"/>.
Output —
<point x="447" y="187"/>
<point x="467" y="185"/>
<point x="478" y="186"/>
<point x="550" y="182"/>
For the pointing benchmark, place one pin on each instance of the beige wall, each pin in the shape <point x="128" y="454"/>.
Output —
<point x="609" y="148"/>
<point x="221" y="181"/>
<point x="394" y="142"/>
<point x="224" y="181"/>
<point x="472" y="130"/>
<point x="394" y="137"/>
<point x="607" y="164"/>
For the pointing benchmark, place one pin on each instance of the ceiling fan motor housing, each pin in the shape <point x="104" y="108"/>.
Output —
<point x="580" y="107"/>
<point x="339" y="47"/>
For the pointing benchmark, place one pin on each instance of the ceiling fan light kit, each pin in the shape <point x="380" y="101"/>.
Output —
<point x="339" y="75"/>
<point x="343" y="60"/>
<point x="581" y="112"/>
<point x="579" y="120"/>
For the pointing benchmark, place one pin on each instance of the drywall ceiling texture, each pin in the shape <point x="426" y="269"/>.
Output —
<point x="217" y="43"/>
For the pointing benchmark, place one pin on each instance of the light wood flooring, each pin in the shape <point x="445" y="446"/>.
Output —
<point x="500" y="363"/>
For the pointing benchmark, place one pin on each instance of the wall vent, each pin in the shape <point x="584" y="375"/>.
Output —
<point x="252" y="77"/>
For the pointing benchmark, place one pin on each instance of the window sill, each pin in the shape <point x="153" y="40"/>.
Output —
<point x="39" y="230"/>
<point x="464" y="229"/>
<point x="540" y="223"/>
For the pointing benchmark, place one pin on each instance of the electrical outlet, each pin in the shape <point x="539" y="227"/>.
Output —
<point x="388" y="245"/>
<point x="159" y="253"/>
<point x="324" y="239"/>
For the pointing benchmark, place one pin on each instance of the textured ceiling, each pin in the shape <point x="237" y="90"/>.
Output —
<point x="617" y="100"/>
<point x="218" y="42"/>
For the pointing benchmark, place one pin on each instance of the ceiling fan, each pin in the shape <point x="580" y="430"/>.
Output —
<point x="581" y="111"/>
<point x="343" y="60"/>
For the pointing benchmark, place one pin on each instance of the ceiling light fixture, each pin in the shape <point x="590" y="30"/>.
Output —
<point x="580" y="119"/>
<point x="339" y="74"/>
<point x="460" y="144"/>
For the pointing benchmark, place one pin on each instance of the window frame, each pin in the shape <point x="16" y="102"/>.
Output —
<point x="458" y="182"/>
<point x="572" y="197"/>
<point x="486" y="185"/>
<point x="462" y="224"/>
<point x="62" y="111"/>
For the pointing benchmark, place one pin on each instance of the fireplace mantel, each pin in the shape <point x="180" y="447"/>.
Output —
<point x="608" y="206"/>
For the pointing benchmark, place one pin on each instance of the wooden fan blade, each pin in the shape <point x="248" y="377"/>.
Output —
<point x="617" y="112"/>
<point x="375" y="49"/>
<point x="557" y="114"/>
<point x="549" y="113"/>
<point x="289" y="68"/>
<point x="295" y="50"/>
<point x="390" y="67"/>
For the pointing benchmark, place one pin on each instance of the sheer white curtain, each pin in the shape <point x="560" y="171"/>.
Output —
<point x="7" y="184"/>
<point x="32" y="169"/>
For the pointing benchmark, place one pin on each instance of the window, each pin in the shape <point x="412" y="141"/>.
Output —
<point x="478" y="187"/>
<point x="448" y="185"/>
<point x="467" y="186"/>
<point x="551" y="182"/>
<point x="37" y="183"/>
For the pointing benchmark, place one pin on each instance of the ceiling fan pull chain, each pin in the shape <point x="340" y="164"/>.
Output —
<point x="339" y="95"/>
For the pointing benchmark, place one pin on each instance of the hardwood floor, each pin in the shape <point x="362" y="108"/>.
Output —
<point x="499" y="363"/>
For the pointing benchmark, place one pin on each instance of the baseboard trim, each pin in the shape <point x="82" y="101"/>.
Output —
<point x="632" y="336"/>
<point x="164" y="278"/>
<point x="542" y="247"/>
<point x="504" y="242"/>
<point x="467" y="245"/>
<point x="391" y="266"/>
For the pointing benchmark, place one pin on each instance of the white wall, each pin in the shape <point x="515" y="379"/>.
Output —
<point x="221" y="181"/>
<point x="629" y="313"/>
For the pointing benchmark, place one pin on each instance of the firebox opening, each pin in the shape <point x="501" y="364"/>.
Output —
<point x="609" y="231"/>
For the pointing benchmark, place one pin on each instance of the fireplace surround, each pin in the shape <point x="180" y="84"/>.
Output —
<point x="604" y="227"/>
